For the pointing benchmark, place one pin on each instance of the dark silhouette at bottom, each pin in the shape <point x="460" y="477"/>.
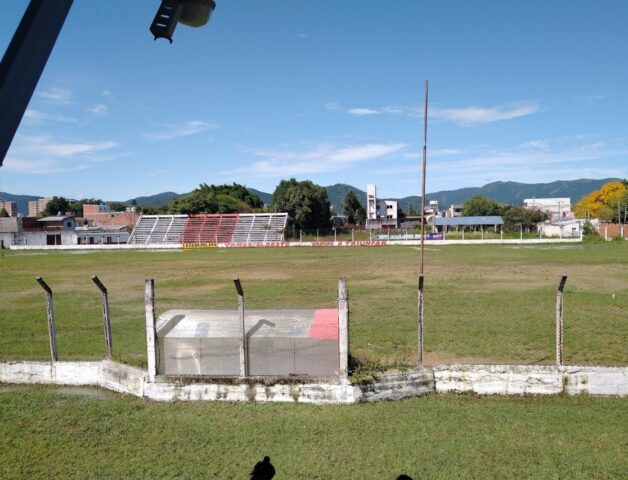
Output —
<point x="263" y="470"/>
<point x="404" y="477"/>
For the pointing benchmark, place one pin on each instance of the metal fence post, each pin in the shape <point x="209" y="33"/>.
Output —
<point x="335" y="237"/>
<point x="105" y="314"/>
<point x="559" y="321"/>
<point x="244" y="354"/>
<point x="151" y="330"/>
<point x="343" y="327"/>
<point x="421" y="324"/>
<point x="50" y="311"/>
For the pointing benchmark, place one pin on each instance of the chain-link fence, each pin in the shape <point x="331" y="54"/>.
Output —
<point x="596" y="328"/>
<point x="467" y="325"/>
<point x="465" y="321"/>
<point x="471" y="325"/>
<point x="343" y="234"/>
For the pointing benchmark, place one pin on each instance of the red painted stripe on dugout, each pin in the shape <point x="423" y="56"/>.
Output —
<point x="325" y="325"/>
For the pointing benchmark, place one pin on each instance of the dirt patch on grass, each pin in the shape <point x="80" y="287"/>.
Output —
<point x="88" y="392"/>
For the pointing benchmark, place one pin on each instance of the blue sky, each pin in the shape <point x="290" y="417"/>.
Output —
<point x="330" y="91"/>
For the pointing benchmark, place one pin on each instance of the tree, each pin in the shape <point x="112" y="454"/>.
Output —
<point x="521" y="217"/>
<point x="479" y="206"/>
<point x="216" y="199"/>
<point x="305" y="203"/>
<point x="55" y="206"/>
<point x="4" y="213"/>
<point x="117" y="207"/>
<point x="77" y="207"/>
<point x="608" y="203"/>
<point x="353" y="209"/>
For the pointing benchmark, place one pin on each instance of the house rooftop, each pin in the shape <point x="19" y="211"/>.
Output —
<point x="55" y="218"/>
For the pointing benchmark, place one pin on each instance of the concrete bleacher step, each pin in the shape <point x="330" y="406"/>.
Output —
<point x="209" y="228"/>
<point x="158" y="229"/>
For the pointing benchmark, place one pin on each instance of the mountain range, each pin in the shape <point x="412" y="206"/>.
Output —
<point x="511" y="193"/>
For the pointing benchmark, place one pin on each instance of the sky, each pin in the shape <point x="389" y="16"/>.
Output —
<point x="329" y="91"/>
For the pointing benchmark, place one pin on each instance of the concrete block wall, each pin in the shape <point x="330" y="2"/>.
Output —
<point x="396" y="385"/>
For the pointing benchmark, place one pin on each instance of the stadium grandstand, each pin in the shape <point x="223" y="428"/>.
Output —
<point x="209" y="229"/>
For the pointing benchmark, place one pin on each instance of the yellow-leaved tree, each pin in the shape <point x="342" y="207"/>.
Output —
<point x="604" y="203"/>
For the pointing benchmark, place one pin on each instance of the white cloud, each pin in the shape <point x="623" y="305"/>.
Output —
<point x="533" y="161"/>
<point x="303" y="35"/>
<point x="37" y="117"/>
<point x="535" y="144"/>
<point x="464" y="116"/>
<point x="471" y="116"/>
<point x="107" y="93"/>
<point x="100" y="109"/>
<point x="57" y="96"/>
<point x="318" y="158"/>
<point x="44" y="154"/>
<point x="359" y="112"/>
<point x="589" y="100"/>
<point x="170" y="131"/>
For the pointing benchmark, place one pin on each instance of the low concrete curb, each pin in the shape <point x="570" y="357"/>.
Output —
<point x="393" y="385"/>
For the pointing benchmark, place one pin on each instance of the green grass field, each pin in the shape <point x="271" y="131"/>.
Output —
<point x="482" y="303"/>
<point x="60" y="432"/>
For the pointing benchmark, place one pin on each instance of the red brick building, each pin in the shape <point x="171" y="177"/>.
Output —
<point x="101" y="216"/>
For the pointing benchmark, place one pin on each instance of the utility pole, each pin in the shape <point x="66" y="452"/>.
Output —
<point x="423" y="180"/>
<point x="421" y="321"/>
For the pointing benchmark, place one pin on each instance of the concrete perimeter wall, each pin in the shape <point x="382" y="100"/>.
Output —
<point x="111" y="246"/>
<point x="348" y="243"/>
<point x="479" y="379"/>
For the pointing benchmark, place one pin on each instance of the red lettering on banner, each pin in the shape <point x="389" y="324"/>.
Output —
<point x="255" y="244"/>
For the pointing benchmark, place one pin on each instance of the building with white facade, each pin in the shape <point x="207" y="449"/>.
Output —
<point x="557" y="208"/>
<point x="380" y="213"/>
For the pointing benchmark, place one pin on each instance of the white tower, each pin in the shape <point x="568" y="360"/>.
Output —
<point x="371" y="202"/>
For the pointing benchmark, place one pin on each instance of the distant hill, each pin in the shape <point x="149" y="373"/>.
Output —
<point x="157" y="200"/>
<point x="21" y="200"/>
<point x="336" y="193"/>
<point x="266" y="197"/>
<point x="511" y="193"/>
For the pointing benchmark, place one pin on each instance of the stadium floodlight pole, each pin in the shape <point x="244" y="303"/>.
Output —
<point x="24" y="61"/>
